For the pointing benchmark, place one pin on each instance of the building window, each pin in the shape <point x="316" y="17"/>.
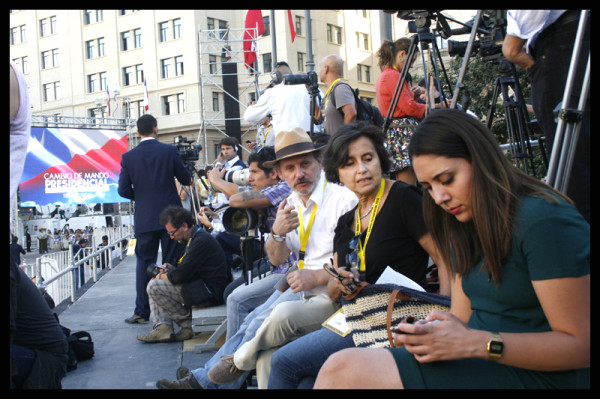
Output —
<point x="128" y="76"/>
<point x="96" y="82"/>
<point x="363" y="73"/>
<point x="101" y="52"/>
<point x="362" y="41"/>
<point x="126" y="43"/>
<point x="301" y="57"/>
<point x="49" y="59"/>
<point x="139" y="73"/>
<point x="51" y="91"/>
<point x="18" y="35"/>
<point x="267" y="62"/>
<point x="334" y="34"/>
<point x="166" y="67"/>
<point x="298" y="24"/>
<point x="92" y="16"/>
<point x="267" y="24"/>
<point x="164" y="31"/>
<point x="173" y="104"/>
<point x="177" y="28"/>
<point x="137" y="38"/>
<point x="48" y="26"/>
<point x="216" y="102"/>
<point x="23" y="64"/>
<point x="179" y="65"/>
<point x="90" y="46"/>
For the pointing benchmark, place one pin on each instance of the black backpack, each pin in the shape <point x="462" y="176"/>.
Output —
<point x="365" y="111"/>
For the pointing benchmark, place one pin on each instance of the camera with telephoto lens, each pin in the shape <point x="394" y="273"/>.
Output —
<point x="241" y="177"/>
<point x="189" y="151"/>
<point x="243" y="221"/>
<point x="310" y="79"/>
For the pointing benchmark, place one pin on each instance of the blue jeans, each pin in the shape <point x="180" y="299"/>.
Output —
<point x="246" y="332"/>
<point x="296" y="365"/>
<point x="246" y="298"/>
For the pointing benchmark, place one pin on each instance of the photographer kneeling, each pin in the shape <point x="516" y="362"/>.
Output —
<point x="265" y="196"/>
<point x="198" y="278"/>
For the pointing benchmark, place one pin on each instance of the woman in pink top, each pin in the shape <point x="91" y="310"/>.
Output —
<point x="408" y="111"/>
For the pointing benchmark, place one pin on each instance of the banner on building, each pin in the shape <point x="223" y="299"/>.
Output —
<point x="72" y="166"/>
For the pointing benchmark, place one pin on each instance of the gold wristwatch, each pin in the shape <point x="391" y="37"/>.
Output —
<point x="495" y="347"/>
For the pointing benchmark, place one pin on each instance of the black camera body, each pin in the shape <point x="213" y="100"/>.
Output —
<point x="189" y="151"/>
<point x="310" y="79"/>
<point x="154" y="270"/>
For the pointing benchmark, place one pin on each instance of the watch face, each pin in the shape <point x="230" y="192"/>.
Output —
<point x="496" y="347"/>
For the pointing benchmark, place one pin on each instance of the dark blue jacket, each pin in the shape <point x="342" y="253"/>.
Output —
<point x="147" y="177"/>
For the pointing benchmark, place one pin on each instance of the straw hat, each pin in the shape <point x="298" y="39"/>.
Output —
<point x="290" y="144"/>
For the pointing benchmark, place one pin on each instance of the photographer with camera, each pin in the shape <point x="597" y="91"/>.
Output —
<point x="146" y="177"/>
<point x="263" y="196"/>
<point x="339" y="106"/>
<point x="288" y="104"/>
<point x="197" y="279"/>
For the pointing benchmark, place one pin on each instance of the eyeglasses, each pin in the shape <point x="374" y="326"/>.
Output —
<point x="173" y="233"/>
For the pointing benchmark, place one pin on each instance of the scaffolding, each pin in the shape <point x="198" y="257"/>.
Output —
<point x="217" y="47"/>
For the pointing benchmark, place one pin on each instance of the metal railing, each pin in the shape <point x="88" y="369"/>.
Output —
<point x="60" y="271"/>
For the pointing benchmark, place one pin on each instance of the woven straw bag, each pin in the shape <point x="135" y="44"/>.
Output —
<point x="371" y="313"/>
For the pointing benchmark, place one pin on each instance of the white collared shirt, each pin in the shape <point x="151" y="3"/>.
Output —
<point x="333" y="201"/>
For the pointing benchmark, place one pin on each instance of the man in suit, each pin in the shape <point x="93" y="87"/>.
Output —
<point x="147" y="177"/>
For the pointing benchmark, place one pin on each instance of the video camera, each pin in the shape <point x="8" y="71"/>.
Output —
<point x="189" y="151"/>
<point x="491" y="36"/>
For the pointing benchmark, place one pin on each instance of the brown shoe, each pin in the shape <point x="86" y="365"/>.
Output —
<point x="161" y="333"/>
<point x="225" y="371"/>
<point x="184" y="333"/>
<point x="136" y="319"/>
<point x="188" y="382"/>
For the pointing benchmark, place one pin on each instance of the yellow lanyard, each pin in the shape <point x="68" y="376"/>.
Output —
<point x="265" y="136"/>
<point x="362" y="248"/>
<point x="327" y="94"/>
<point x="304" y="234"/>
<point x="186" y="248"/>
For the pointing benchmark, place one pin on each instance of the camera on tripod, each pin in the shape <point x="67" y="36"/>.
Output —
<point x="491" y="36"/>
<point x="189" y="151"/>
<point x="242" y="221"/>
<point x="310" y="78"/>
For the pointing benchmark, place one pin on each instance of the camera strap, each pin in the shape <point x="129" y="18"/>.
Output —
<point x="305" y="233"/>
<point x="362" y="247"/>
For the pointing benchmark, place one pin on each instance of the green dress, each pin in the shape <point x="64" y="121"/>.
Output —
<point x="551" y="241"/>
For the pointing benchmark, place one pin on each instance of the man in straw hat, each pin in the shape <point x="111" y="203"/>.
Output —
<point x="304" y="224"/>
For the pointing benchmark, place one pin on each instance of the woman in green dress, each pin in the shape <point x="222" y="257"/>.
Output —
<point x="520" y="256"/>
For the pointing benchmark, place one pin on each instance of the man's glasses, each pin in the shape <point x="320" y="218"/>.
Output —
<point x="173" y="233"/>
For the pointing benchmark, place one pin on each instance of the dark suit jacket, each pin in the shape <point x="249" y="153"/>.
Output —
<point x="147" y="177"/>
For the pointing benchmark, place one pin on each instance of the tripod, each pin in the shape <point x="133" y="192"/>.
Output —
<point x="515" y="113"/>
<point x="569" y="118"/>
<point x="422" y="39"/>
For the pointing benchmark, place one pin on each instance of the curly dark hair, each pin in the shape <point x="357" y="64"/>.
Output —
<point x="176" y="215"/>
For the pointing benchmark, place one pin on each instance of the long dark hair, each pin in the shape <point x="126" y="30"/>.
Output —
<point x="495" y="189"/>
